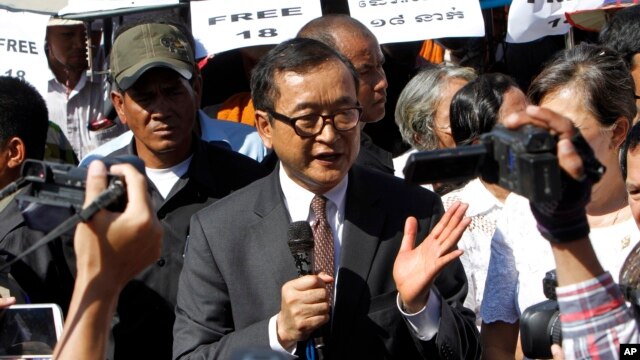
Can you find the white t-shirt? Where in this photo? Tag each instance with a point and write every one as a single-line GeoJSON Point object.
{"type": "Point", "coordinates": [165, 179]}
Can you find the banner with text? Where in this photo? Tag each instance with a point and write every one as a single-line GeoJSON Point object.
{"type": "Point", "coordinates": [532, 19]}
{"type": "Point", "coordinates": [22, 48]}
{"type": "Point", "coordinates": [224, 25]}
{"type": "Point", "coordinates": [410, 20]}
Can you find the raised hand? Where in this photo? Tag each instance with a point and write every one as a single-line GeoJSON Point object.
{"type": "Point", "coordinates": [415, 269]}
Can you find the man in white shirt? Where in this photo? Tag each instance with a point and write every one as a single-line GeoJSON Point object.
{"type": "Point", "coordinates": [75, 101]}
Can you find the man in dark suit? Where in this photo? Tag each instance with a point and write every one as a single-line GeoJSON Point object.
{"type": "Point", "coordinates": [239, 286]}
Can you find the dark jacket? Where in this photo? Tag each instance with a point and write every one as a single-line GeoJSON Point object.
{"type": "Point", "coordinates": [145, 312]}
{"type": "Point", "coordinates": [238, 259]}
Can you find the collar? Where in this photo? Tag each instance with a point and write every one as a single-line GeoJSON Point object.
{"type": "Point", "coordinates": [79, 86]}
{"type": "Point", "coordinates": [209, 132]}
{"type": "Point", "coordinates": [298, 199]}
{"type": "Point", "coordinates": [480, 199]}
{"type": "Point", "coordinates": [201, 170]}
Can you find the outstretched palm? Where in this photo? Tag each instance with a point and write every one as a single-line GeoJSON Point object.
{"type": "Point", "coordinates": [415, 268]}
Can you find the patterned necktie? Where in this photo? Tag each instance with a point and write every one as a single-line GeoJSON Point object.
{"type": "Point", "coordinates": [323, 240]}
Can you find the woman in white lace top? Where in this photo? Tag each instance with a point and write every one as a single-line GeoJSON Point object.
{"type": "Point", "coordinates": [475, 109]}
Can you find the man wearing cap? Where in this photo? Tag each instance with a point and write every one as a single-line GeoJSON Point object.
{"type": "Point", "coordinates": [156, 93]}
{"type": "Point", "coordinates": [76, 102]}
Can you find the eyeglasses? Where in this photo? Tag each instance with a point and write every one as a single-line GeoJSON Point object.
{"type": "Point", "coordinates": [636, 96]}
{"type": "Point", "coordinates": [312, 124]}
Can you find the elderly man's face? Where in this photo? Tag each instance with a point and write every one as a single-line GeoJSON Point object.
{"type": "Point", "coordinates": [68, 46]}
{"type": "Point", "coordinates": [320, 162]}
{"type": "Point", "coordinates": [160, 109]}
{"type": "Point", "coordinates": [365, 54]}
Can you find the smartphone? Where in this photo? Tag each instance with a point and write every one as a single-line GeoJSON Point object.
{"type": "Point", "coordinates": [29, 331]}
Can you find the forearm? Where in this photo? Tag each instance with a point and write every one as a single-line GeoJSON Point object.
{"type": "Point", "coordinates": [499, 340]}
{"type": "Point", "coordinates": [576, 261]}
{"type": "Point", "coordinates": [88, 321]}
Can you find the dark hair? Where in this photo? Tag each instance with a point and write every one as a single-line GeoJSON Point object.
{"type": "Point", "coordinates": [630, 144]}
{"type": "Point", "coordinates": [23, 113]}
{"type": "Point", "coordinates": [622, 31]}
{"type": "Point", "coordinates": [598, 73]}
{"type": "Point", "coordinates": [298, 55]}
{"type": "Point", "coordinates": [476, 106]}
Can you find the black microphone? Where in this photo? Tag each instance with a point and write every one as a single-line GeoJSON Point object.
{"type": "Point", "coordinates": [301, 246]}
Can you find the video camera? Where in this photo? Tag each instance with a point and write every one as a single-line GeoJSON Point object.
{"type": "Point", "coordinates": [57, 191]}
{"type": "Point", "coordinates": [523, 161]}
{"type": "Point", "coordinates": [540, 323]}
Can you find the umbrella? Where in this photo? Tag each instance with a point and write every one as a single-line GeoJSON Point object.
{"type": "Point", "coordinates": [594, 19]}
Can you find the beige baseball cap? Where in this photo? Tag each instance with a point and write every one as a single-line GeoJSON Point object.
{"type": "Point", "coordinates": [56, 21]}
{"type": "Point", "coordinates": [149, 46]}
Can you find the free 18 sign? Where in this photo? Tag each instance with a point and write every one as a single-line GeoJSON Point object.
{"type": "Point", "coordinates": [22, 53]}
{"type": "Point", "coordinates": [224, 25]}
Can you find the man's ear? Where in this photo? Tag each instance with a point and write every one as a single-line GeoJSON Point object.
{"type": "Point", "coordinates": [263, 125]}
{"type": "Point", "coordinates": [16, 152]}
{"type": "Point", "coordinates": [117, 99]}
{"type": "Point", "coordinates": [619, 133]}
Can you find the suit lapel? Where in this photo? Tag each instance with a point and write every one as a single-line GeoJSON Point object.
{"type": "Point", "coordinates": [270, 233]}
{"type": "Point", "coordinates": [364, 221]}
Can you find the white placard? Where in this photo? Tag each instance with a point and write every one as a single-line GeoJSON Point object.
{"type": "Point", "coordinates": [532, 19]}
{"type": "Point", "coordinates": [83, 6]}
{"type": "Point", "coordinates": [410, 20]}
{"type": "Point", "coordinates": [22, 48]}
{"type": "Point", "coordinates": [224, 25]}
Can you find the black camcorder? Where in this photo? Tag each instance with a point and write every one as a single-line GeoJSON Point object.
{"type": "Point", "coordinates": [540, 323]}
{"type": "Point", "coordinates": [523, 161]}
{"type": "Point", "coordinates": [57, 191]}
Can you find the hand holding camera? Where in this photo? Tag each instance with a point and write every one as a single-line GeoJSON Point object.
{"type": "Point", "coordinates": [564, 219]}
{"type": "Point", "coordinates": [111, 248]}
{"type": "Point", "coordinates": [117, 246]}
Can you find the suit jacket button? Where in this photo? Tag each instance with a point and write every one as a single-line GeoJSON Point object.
{"type": "Point", "coordinates": [161, 262]}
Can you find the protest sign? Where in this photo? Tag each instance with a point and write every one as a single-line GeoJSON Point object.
{"type": "Point", "coordinates": [224, 25]}
{"type": "Point", "coordinates": [22, 52]}
{"type": "Point", "coordinates": [530, 20]}
{"type": "Point", "coordinates": [410, 20]}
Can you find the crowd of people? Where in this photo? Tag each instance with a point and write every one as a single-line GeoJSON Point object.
{"type": "Point", "coordinates": [198, 264]}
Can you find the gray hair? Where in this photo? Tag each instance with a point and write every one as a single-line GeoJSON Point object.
{"type": "Point", "coordinates": [418, 101]}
